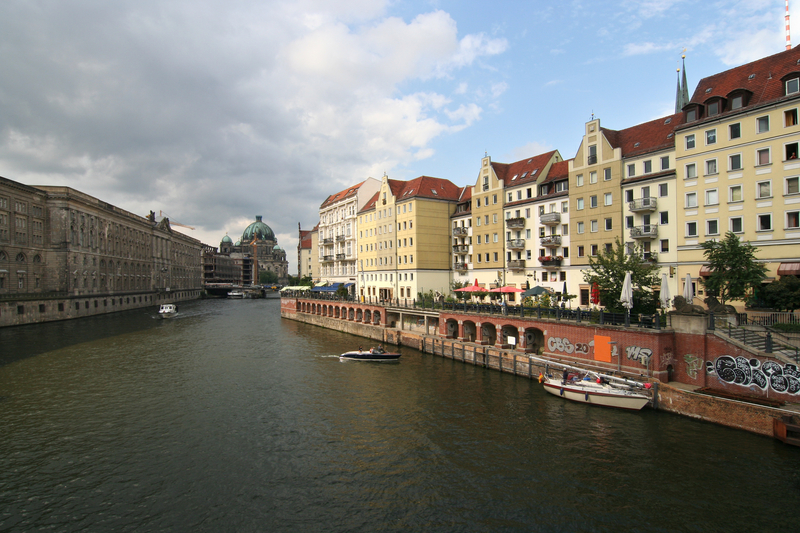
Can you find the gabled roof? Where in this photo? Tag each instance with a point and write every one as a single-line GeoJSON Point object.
{"type": "Point", "coordinates": [341, 195]}
{"type": "Point", "coordinates": [558, 171]}
{"type": "Point", "coordinates": [658, 134]}
{"type": "Point", "coordinates": [522, 171]}
{"type": "Point", "coordinates": [428, 187]}
{"type": "Point", "coordinates": [762, 78]}
{"type": "Point", "coordinates": [465, 195]}
{"type": "Point", "coordinates": [370, 205]}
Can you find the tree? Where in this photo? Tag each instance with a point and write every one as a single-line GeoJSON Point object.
{"type": "Point", "coordinates": [735, 272]}
{"type": "Point", "coordinates": [267, 276]}
{"type": "Point", "coordinates": [784, 294]}
{"type": "Point", "coordinates": [608, 270]}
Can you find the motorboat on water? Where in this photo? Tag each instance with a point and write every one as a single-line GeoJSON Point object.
{"type": "Point", "coordinates": [373, 354]}
{"type": "Point", "coordinates": [595, 389]}
{"type": "Point", "coordinates": [236, 295]}
{"type": "Point", "coordinates": [167, 310]}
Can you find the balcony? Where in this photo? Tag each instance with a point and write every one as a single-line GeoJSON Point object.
{"type": "Point", "coordinates": [460, 267]}
{"type": "Point", "coordinates": [515, 244]}
{"type": "Point", "coordinates": [340, 257]}
{"type": "Point", "coordinates": [648, 231]}
{"type": "Point", "coordinates": [551, 241]}
{"type": "Point", "coordinates": [551, 262]}
{"type": "Point", "coordinates": [327, 258]}
{"type": "Point", "coordinates": [339, 238]}
{"type": "Point", "coordinates": [643, 205]}
{"type": "Point", "coordinates": [461, 249]}
{"type": "Point", "coordinates": [457, 232]}
{"type": "Point", "coordinates": [518, 222]}
{"type": "Point", "coordinates": [516, 264]}
{"type": "Point", "coordinates": [327, 240]}
{"type": "Point", "coordinates": [550, 219]}
{"type": "Point", "coordinates": [591, 160]}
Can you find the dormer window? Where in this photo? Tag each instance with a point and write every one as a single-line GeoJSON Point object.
{"type": "Point", "coordinates": [713, 108]}
{"type": "Point", "coordinates": [691, 114]}
{"type": "Point", "coordinates": [737, 101]}
{"type": "Point", "coordinates": [792, 86]}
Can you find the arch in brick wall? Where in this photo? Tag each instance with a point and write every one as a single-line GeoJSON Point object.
{"type": "Point", "coordinates": [470, 331]}
{"type": "Point", "coordinates": [489, 333]}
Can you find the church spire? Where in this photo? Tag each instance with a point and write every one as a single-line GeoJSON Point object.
{"type": "Point", "coordinates": [682, 89]}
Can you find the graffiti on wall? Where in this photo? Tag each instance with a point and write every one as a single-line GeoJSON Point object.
{"type": "Point", "coordinates": [557, 344]}
{"type": "Point", "coordinates": [693, 365]}
{"type": "Point", "coordinates": [752, 372]}
{"type": "Point", "coordinates": [639, 354]}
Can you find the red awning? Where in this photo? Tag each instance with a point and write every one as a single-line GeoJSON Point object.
{"type": "Point", "coordinates": [789, 269]}
{"type": "Point", "coordinates": [705, 271]}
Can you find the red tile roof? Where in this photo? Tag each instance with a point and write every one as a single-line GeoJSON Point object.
{"type": "Point", "coordinates": [305, 240]}
{"type": "Point", "coordinates": [341, 195]}
{"type": "Point", "coordinates": [647, 137]}
{"type": "Point", "coordinates": [370, 205]}
{"type": "Point", "coordinates": [522, 171]}
{"type": "Point", "coordinates": [762, 78]}
{"type": "Point", "coordinates": [428, 187]}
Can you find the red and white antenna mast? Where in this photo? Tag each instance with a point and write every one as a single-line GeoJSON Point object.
{"type": "Point", "coordinates": [788, 36]}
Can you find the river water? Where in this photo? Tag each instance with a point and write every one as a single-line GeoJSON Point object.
{"type": "Point", "coordinates": [228, 418]}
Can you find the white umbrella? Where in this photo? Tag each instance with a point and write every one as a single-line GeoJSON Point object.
{"type": "Point", "coordinates": [688, 291]}
{"type": "Point", "coordinates": [626, 296]}
{"type": "Point", "coordinates": [665, 297]}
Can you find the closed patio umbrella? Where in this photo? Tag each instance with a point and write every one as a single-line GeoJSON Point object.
{"type": "Point", "coordinates": [664, 295]}
{"type": "Point", "coordinates": [688, 291]}
{"type": "Point", "coordinates": [626, 296]}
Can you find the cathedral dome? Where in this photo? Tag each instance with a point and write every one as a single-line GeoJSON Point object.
{"type": "Point", "coordinates": [277, 248]}
{"type": "Point", "coordinates": [226, 239]}
{"type": "Point", "coordinates": [258, 230]}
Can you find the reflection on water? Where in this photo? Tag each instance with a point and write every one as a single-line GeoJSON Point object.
{"type": "Point", "coordinates": [228, 418]}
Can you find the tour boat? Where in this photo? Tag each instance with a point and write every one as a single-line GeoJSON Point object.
{"type": "Point", "coordinates": [373, 354]}
{"type": "Point", "coordinates": [236, 295]}
{"type": "Point", "coordinates": [167, 310]}
{"type": "Point", "coordinates": [596, 391]}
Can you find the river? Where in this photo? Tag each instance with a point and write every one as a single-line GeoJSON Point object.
{"type": "Point", "coordinates": [228, 418]}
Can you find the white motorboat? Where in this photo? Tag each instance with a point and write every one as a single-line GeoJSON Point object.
{"type": "Point", "coordinates": [373, 354]}
{"type": "Point", "coordinates": [167, 310]}
{"type": "Point", "coordinates": [236, 295]}
{"type": "Point", "coordinates": [596, 390]}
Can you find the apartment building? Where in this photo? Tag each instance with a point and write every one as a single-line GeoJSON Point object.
{"type": "Point", "coordinates": [462, 237]}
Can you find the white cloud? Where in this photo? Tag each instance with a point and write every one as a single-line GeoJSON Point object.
{"type": "Point", "coordinates": [530, 149]}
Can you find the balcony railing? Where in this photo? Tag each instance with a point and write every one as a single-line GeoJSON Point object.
{"type": "Point", "coordinates": [551, 262]}
{"type": "Point", "coordinates": [340, 257]}
{"type": "Point", "coordinates": [648, 231]}
{"type": "Point", "coordinates": [591, 160]}
{"type": "Point", "coordinates": [643, 204]}
{"type": "Point", "coordinates": [516, 244]}
{"type": "Point", "coordinates": [460, 267]}
{"type": "Point", "coordinates": [460, 231]}
{"type": "Point", "coordinates": [327, 258]}
{"type": "Point", "coordinates": [339, 238]}
{"type": "Point", "coordinates": [516, 264]}
{"type": "Point", "coordinates": [551, 241]}
{"type": "Point", "coordinates": [327, 240]}
{"type": "Point", "coordinates": [517, 222]}
{"type": "Point", "coordinates": [460, 248]}
{"type": "Point", "coordinates": [550, 219]}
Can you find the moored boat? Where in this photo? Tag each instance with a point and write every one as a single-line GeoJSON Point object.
{"type": "Point", "coordinates": [596, 391]}
{"type": "Point", "coordinates": [373, 354]}
{"type": "Point", "coordinates": [236, 295]}
{"type": "Point", "coordinates": [167, 310]}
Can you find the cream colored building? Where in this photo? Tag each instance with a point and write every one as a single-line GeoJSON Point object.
{"type": "Point", "coordinates": [461, 221]}
{"type": "Point", "coordinates": [488, 224]}
{"type": "Point", "coordinates": [738, 166]}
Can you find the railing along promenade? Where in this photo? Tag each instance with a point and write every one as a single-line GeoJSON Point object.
{"type": "Point", "coordinates": [593, 316]}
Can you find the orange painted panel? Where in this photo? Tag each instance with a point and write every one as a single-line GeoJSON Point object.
{"type": "Point", "coordinates": [602, 349]}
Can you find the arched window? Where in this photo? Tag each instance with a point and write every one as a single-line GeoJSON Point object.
{"type": "Point", "coordinates": [20, 257]}
{"type": "Point", "coordinates": [37, 258]}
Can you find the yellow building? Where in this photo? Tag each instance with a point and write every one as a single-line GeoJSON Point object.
{"type": "Point", "coordinates": [488, 226]}
{"type": "Point", "coordinates": [738, 166]}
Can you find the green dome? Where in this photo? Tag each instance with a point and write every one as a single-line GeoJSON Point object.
{"type": "Point", "coordinates": [226, 239]}
{"type": "Point", "coordinates": [258, 230]}
{"type": "Point", "coordinates": [277, 248]}
{"type": "Point", "coordinates": [237, 243]}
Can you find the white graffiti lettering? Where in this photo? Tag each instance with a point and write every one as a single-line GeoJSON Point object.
{"type": "Point", "coordinates": [637, 353]}
{"type": "Point", "coordinates": [557, 344]}
{"type": "Point", "coordinates": [751, 372]}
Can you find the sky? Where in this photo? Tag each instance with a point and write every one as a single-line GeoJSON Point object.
{"type": "Point", "coordinates": [211, 112]}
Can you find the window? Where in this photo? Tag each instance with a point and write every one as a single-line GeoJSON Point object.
{"type": "Point", "coordinates": [477, 204]}
{"type": "Point", "coordinates": [691, 115]}
{"type": "Point", "coordinates": [735, 193]}
{"type": "Point", "coordinates": [594, 249]}
{"type": "Point", "coordinates": [628, 222]}
{"type": "Point", "coordinates": [648, 167]}
{"type": "Point", "coordinates": [629, 195]}
{"type": "Point", "coordinates": [711, 167]}
{"type": "Point", "coordinates": [764, 189]}
{"type": "Point", "coordinates": [494, 218]}
{"type": "Point", "coordinates": [735, 131]}
{"type": "Point", "coordinates": [607, 174]}
{"type": "Point", "coordinates": [689, 141]}
{"type": "Point", "coordinates": [608, 198]}
{"type": "Point", "coordinates": [609, 224]}
{"type": "Point", "coordinates": [691, 199]}
{"type": "Point", "coordinates": [592, 177]}
{"type": "Point", "coordinates": [712, 197]}
{"type": "Point", "coordinates": [765, 222]}
{"type": "Point", "coordinates": [592, 154]}
{"type": "Point", "coordinates": [762, 124]}
{"type": "Point", "coordinates": [763, 156]}
{"type": "Point", "coordinates": [712, 227]}
{"type": "Point", "coordinates": [735, 162]}
{"type": "Point", "coordinates": [691, 229]}
{"type": "Point", "coordinates": [713, 108]}
{"type": "Point", "coordinates": [665, 162]}
{"type": "Point", "coordinates": [711, 136]}
{"type": "Point", "coordinates": [792, 86]}
{"type": "Point", "coordinates": [564, 229]}
{"type": "Point", "coordinates": [790, 117]}
{"type": "Point", "coordinates": [663, 217]}
{"type": "Point", "coordinates": [565, 206]}
{"type": "Point", "coordinates": [580, 228]}
{"type": "Point", "coordinates": [736, 225]}
{"type": "Point", "coordinates": [792, 185]}
{"type": "Point", "coordinates": [665, 245]}
{"type": "Point", "coordinates": [631, 170]}
{"type": "Point", "coordinates": [737, 102]}
{"type": "Point", "coordinates": [593, 201]}
{"type": "Point", "coordinates": [494, 198]}
{"type": "Point", "coordinates": [510, 197]}
{"type": "Point", "coordinates": [793, 220]}
{"type": "Point", "coordinates": [580, 251]}
{"type": "Point", "coordinates": [691, 171]}
{"type": "Point", "coordinates": [579, 180]}
{"type": "Point", "coordinates": [478, 221]}
{"type": "Point", "coordinates": [663, 190]}
{"type": "Point", "coordinates": [494, 237]}
{"type": "Point", "coordinates": [593, 226]}
{"type": "Point", "coordinates": [791, 150]}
